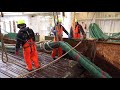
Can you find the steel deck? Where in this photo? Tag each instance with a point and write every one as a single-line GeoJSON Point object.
{"type": "Point", "coordinates": [61, 69]}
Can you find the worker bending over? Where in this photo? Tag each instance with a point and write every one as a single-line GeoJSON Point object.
{"type": "Point", "coordinates": [26, 38]}
{"type": "Point", "coordinates": [58, 33]}
{"type": "Point", "coordinates": [76, 33]}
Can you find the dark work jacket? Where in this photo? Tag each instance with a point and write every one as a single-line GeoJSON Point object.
{"type": "Point", "coordinates": [79, 31]}
{"type": "Point", "coordinates": [63, 29]}
{"type": "Point", "coordinates": [23, 36]}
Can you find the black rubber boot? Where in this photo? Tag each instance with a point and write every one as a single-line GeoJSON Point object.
{"type": "Point", "coordinates": [54, 58]}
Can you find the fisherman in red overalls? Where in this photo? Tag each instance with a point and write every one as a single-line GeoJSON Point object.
{"type": "Point", "coordinates": [58, 33]}
{"type": "Point", "coordinates": [76, 33]}
{"type": "Point", "coordinates": [26, 38]}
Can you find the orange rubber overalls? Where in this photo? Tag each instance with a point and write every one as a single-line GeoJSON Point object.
{"type": "Point", "coordinates": [59, 35]}
{"type": "Point", "coordinates": [30, 54]}
{"type": "Point", "coordinates": [76, 35]}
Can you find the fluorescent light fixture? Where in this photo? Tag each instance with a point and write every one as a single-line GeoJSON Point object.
{"type": "Point", "coordinates": [13, 13]}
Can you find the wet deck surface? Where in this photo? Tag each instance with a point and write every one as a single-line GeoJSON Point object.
{"type": "Point", "coordinates": [62, 69]}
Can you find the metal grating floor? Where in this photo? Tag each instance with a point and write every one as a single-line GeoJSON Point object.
{"type": "Point", "coordinates": [61, 69]}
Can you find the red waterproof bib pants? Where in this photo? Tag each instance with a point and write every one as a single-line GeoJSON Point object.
{"type": "Point", "coordinates": [76, 35]}
{"type": "Point", "coordinates": [30, 54]}
{"type": "Point", "coordinates": [59, 50]}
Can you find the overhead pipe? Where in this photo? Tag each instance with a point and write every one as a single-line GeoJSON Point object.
{"type": "Point", "coordinates": [87, 64]}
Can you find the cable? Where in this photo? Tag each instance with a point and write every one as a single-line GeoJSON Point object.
{"type": "Point", "coordinates": [92, 17]}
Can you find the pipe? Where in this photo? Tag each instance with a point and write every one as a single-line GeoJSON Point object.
{"type": "Point", "coordinates": [87, 64]}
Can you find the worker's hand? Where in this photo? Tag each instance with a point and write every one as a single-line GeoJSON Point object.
{"type": "Point", "coordinates": [84, 36]}
{"type": "Point", "coordinates": [69, 36]}
{"type": "Point", "coordinates": [54, 31]}
{"type": "Point", "coordinates": [16, 53]}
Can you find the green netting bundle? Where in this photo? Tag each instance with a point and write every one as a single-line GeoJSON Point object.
{"type": "Point", "coordinates": [97, 33]}
{"type": "Point", "coordinates": [11, 35]}
{"type": "Point", "coordinates": [115, 35]}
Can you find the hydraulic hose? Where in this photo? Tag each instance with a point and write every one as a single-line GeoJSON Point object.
{"type": "Point", "coordinates": [87, 64]}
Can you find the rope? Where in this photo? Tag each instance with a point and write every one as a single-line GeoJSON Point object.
{"type": "Point", "coordinates": [3, 46]}
{"type": "Point", "coordinates": [92, 17]}
{"type": "Point", "coordinates": [43, 46]}
{"type": "Point", "coordinates": [50, 62]}
{"type": "Point", "coordinates": [93, 52]}
{"type": "Point", "coordinates": [49, 45]}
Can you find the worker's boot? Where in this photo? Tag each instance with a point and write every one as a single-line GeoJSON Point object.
{"type": "Point", "coordinates": [28, 69]}
{"type": "Point", "coordinates": [54, 58]}
{"type": "Point", "coordinates": [37, 67]}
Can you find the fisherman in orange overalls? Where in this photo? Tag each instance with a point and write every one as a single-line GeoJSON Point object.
{"type": "Point", "coordinates": [58, 32]}
{"type": "Point", "coordinates": [26, 38]}
{"type": "Point", "coordinates": [76, 33]}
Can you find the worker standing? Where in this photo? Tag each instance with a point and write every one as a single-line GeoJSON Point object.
{"type": "Point", "coordinates": [76, 33]}
{"type": "Point", "coordinates": [58, 33]}
{"type": "Point", "coordinates": [26, 38]}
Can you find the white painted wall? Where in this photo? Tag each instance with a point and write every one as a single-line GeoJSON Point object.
{"type": "Point", "coordinates": [109, 25]}
{"type": "Point", "coordinates": [6, 19]}
{"type": "Point", "coordinates": [40, 24]}
{"type": "Point", "coordinates": [67, 23]}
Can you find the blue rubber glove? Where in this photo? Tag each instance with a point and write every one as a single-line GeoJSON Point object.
{"type": "Point", "coordinates": [69, 36]}
{"type": "Point", "coordinates": [54, 31]}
